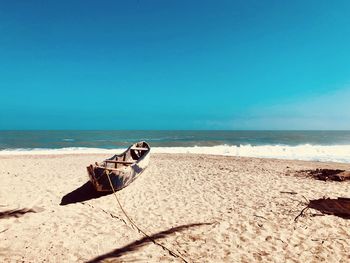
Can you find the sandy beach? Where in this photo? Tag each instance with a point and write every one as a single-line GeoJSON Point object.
{"type": "Point", "coordinates": [206, 208]}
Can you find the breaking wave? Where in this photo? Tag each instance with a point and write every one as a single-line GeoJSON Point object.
{"type": "Point", "coordinates": [308, 152]}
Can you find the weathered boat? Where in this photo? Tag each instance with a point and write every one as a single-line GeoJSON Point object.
{"type": "Point", "coordinates": [122, 169]}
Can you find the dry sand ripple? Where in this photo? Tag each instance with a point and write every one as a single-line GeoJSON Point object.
{"type": "Point", "coordinates": [249, 205]}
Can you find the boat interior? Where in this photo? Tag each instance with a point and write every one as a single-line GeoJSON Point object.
{"type": "Point", "coordinates": [122, 161]}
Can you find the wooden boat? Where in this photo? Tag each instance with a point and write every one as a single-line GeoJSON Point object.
{"type": "Point", "coordinates": [122, 168]}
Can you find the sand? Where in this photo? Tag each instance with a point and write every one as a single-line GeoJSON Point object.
{"type": "Point", "coordinates": [207, 208]}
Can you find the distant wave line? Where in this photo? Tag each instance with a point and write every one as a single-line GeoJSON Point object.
{"type": "Point", "coordinates": [308, 152]}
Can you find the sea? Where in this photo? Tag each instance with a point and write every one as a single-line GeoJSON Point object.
{"type": "Point", "coordinates": [333, 146]}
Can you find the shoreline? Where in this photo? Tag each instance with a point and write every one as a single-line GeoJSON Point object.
{"type": "Point", "coordinates": [319, 153]}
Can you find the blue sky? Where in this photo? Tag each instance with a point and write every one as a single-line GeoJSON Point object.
{"type": "Point", "coordinates": [174, 64]}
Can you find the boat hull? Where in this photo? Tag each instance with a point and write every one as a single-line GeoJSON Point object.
{"type": "Point", "coordinates": [122, 169]}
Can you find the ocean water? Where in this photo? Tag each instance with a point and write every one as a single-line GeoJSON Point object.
{"type": "Point", "coordinates": [302, 145]}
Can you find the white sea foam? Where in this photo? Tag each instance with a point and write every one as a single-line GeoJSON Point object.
{"type": "Point", "coordinates": [66, 150]}
{"type": "Point", "coordinates": [332, 153]}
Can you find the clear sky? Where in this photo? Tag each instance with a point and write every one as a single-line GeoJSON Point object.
{"type": "Point", "coordinates": [175, 64]}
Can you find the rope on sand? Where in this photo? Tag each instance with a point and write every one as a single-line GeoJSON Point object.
{"type": "Point", "coordinates": [171, 252]}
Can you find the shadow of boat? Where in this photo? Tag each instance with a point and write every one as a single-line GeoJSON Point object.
{"type": "Point", "coordinates": [81, 194]}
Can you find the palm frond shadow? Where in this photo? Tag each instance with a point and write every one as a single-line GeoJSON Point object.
{"type": "Point", "coordinates": [338, 207]}
{"type": "Point", "coordinates": [136, 245]}
{"type": "Point", "coordinates": [16, 213]}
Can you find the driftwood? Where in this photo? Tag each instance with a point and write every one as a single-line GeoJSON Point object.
{"type": "Point", "coordinates": [329, 174]}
